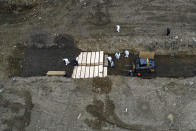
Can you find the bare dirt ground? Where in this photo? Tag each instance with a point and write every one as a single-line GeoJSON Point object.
{"type": "Point", "coordinates": [47, 29]}
{"type": "Point", "coordinates": [61, 104]}
{"type": "Point", "coordinates": [92, 26]}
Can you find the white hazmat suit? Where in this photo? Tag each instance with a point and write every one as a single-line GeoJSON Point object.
{"type": "Point", "coordinates": [117, 55]}
{"type": "Point", "coordinates": [118, 28]}
{"type": "Point", "coordinates": [109, 59]}
{"type": "Point", "coordinates": [66, 61]}
{"type": "Point", "coordinates": [126, 53]}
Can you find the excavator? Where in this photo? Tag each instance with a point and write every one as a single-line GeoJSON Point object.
{"type": "Point", "coordinates": [145, 63]}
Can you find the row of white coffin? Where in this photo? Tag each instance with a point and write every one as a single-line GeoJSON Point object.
{"type": "Point", "coordinates": [89, 71]}
{"type": "Point", "coordinates": [90, 58]}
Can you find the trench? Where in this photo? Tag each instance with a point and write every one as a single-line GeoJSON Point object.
{"type": "Point", "coordinates": [38, 60]}
{"type": "Point", "coordinates": [165, 66]}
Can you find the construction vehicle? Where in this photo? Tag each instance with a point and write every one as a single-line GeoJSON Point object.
{"type": "Point", "coordinates": [145, 63]}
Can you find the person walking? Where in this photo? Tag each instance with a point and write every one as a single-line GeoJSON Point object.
{"type": "Point", "coordinates": [168, 31]}
{"type": "Point", "coordinates": [117, 28]}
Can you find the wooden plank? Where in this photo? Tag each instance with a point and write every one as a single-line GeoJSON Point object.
{"type": "Point", "coordinates": [74, 72]}
{"type": "Point", "coordinates": [97, 58]}
{"type": "Point", "coordinates": [82, 72]}
{"type": "Point", "coordinates": [56, 73]}
{"type": "Point", "coordinates": [92, 58]}
{"type": "Point", "coordinates": [88, 61]}
{"type": "Point", "coordinates": [96, 71]}
{"type": "Point", "coordinates": [106, 60]}
{"type": "Point", "coordinates": [80, 58]}
{"type": "Point", "coordinates": [87, 72]}
{"type": "Point", "coordinates": [84, 56]}
{"type": "Point", "coordinates": [91, 74]}
{"type": "Point", "coordinates": [100, 70]}
{"type": "Point", "coordinates": [78, 72]}
{"type": "Point", "coordinates": [105, 73]}
{"type": "Point", "coordinates": [101, 57]}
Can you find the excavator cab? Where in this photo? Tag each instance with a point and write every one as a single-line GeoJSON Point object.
{"type": "Point", "coordinates": [145, 62]}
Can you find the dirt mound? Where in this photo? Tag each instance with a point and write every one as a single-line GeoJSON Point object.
{"type": "Point", "coordinates": [102, 85]}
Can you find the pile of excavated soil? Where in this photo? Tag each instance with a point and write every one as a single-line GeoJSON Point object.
{"type": "Point", "coordinates": [102, 85]}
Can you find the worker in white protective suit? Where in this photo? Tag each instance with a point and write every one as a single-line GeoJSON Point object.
{"type": "Point", "coordinates": [117, 55]}
{"type": "Point", "coordinates": [109, 59]}
{"type": "Point", "coordinates": [66, 61]}
{"type": "Point", "coordinates": [112, 64]}
{"type": "Point", "coordinates": [117, 28]}
{"type": "Point", "coordinates": [126, 53]}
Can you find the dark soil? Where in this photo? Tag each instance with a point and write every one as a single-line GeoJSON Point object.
{"type": "Point", "coordinates": [17, 122]}
{"type": "Point", "coordinates": [179, 66]}
{"type": "Point", "coordinates": [102, 85]}
{"type": "Point", "coordinates": [15, 61]}
{"type": "Point", "coordinates": [96, 110]}
{"type": "Point", "coordinates": [38, 61]}
{"type": "Point", "coordinates": [122, 66]}
{"type": "Point", "coordinates": [105, 113]}
{"type": "Point", "coordinates": [12, 14]}
{"type": "Point", "coordinates": [7, 6]}
{"type": "Point", "coordinates": [166, 66]}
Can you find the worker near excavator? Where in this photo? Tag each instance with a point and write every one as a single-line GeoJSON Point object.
{"type": "Point", "coordinates": [130, 73]}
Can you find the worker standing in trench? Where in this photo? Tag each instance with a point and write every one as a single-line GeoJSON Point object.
{"type": "Point", "coordinates": [126, 53]}
{"type": "Point", "coordinates": [117, 55]}
{"type": "Point", "coordinates": [110, 61]}
{"type": "Point", "coordinates": [66, 61]}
